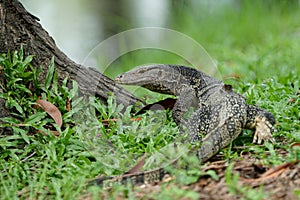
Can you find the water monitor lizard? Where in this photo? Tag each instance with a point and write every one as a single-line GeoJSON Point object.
{"type": "Point", "coordinates": [219, 113]}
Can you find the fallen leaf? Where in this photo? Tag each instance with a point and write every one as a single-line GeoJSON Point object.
{"type": "Point", "coordinates": [232, 76]}
{"type": "Point", "coordinates": [283, 166]}
{"type": "Point", "coordinates": [52, 110]}
{"type": "Point", "coordinates": [68, 105]}
{"type": "Point", "coordinates": [296, 144]}
{"type": "Point", "coordinates": [138, 166]}
{"type": "Point", "coordinates": [56, 133]}
{"type": "Point", "coordinates": [274, 171]}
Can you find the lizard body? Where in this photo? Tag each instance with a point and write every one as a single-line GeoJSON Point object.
{"type": "Point", "coordinates": [218, 113]}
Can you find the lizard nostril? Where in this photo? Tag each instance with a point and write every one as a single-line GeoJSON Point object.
{"type": "Point", "coordinates": [118, 78]}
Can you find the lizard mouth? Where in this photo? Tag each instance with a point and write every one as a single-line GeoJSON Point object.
{"type": "Point", "coordinates": [128, 80]}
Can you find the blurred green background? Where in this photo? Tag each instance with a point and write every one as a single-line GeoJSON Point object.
{"type": "Point", "coordinates": [248, 39]}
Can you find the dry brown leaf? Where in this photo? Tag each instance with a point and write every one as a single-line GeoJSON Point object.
{"type": "Point", "coordinates": [291, 100]}
{"type": "Point", "coordinates": [295, 144]}
{"type": "Point", "coordinates": [278, 169]}
{"type": "Point", "coordinates": [138, 166]}
{"type": "Point", "coordinates": [232, 76]}
{"type": "Point", "coordinates": [56, 133]}
{"type": "Point", "coordinates": [52, 110]}
{"type": "Point", "coordinates": [68, 105]}
{"type": "Point", "coordinates": [274, 171]}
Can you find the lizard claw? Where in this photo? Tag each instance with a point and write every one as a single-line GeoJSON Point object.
{"type": "Point", "coordinates": [263, 131]}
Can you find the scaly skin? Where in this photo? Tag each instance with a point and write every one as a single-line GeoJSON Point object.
{"type": "Point", "coordinates": [218, 113]}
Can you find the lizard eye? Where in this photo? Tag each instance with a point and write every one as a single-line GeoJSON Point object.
{"type": "Point", "coordinates": [159, 73]}
{"type": "Point", "coordinates": [141, 71]}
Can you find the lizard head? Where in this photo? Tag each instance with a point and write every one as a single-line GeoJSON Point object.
{"type": "Point", "coordinates": [141, 75]}
{"type": "Point", "coordinates": [156, 77]}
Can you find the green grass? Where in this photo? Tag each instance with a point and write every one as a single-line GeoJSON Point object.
{"type": "Point", "coordinates": [258, 44]}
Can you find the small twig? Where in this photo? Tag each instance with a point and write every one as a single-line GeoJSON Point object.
{"type": "Point", "coordinates": [24, 159]}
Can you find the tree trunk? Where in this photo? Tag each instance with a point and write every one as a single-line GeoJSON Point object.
{"type": "Point", "coordinates": [18, 27]}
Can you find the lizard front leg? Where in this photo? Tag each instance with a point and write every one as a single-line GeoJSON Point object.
{"type": "Point", "coordinates": [263, 130]}
{"type": "Point", "coordinates": [184, 102]}
{"type": "Point", "coordinates": [199, 123]}
{"type": "Point", "coordinates": [219, 137]}
{"type": "Point", "coordinates": [262, 121]}
{"type": "Point", "coordinates": [221, 123]}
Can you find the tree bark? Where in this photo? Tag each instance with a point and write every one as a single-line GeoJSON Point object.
{"type": "Point", "coordinates": [19, 27]}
